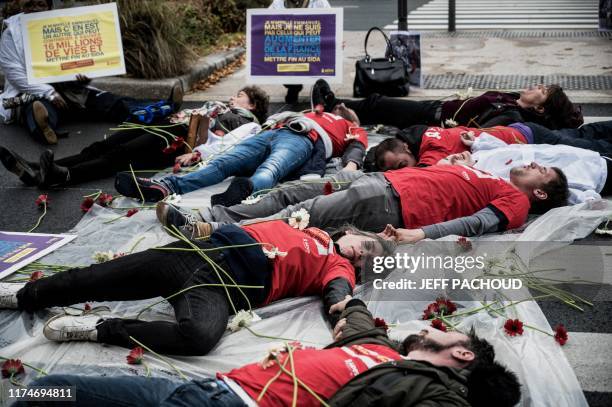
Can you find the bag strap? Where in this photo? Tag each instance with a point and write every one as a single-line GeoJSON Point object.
{"type": "Point", "coordinates": [365, 44]}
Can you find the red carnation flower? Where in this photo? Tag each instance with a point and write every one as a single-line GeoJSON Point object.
{"type": "Point", "coordinates": [328, 188]}
{"type": "Point", "coordinates": [464, 243]}
{"type": "Point", "coordinates": [431, 311]}
{"type": "Point", "coordinates": [105, 199]}
{"type": "Point", "coordinates": [131, 212]}
{"type": "Point", "coordinates": [42, 200]}
{"type": "Point", "coordinates": [169, 150]}
{"type": "Point", "coordinates": [178, 143]}
{"type": "Point", "coordinates": [438, 324]}
{"type": "Point", "coordinates": [135, 356]}
{"type": "Point", "coordinates": [12, 367]}
{"type": "Point", "coordinates": [319, 109]}
{"type": "Point", "coordinates": [176, 168]}
{"type": "Point", "coordinates": [508, 162]}
{"type": "Point", "coordinates": [196, 157]}
{"type": "Point", "coordinates": [381, 323]}
{"type": "Point", "coordinates": [87, 204]}
{"type": "Point", "coordinates": [561, 334]}
{"type": "Point", "coordinates": [513, 327]}
{"type": "Point", "coordinates": [446, 306]}
{"type": "Point", "coordinates": [36, 275]}
{"type": "Point", "coordinates": [87, 307]}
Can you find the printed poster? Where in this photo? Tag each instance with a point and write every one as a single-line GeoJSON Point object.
{"type": "Point", "coordinates": [19, 249]}
{"type": "Point", "coordinates": [294, 46]}
{"type": "Point", "coordinates": [82, 40]}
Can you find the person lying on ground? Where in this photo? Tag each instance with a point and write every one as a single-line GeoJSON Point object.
{"type": "Point", "coordinates": [587, 171]}
{"type": "Point", "coordinates": [432, 367]}
{"type": "Point", "coordinates": [431, 144]}
{"type": "Point", "coordinates": [545, 105]}
{"type": "Point", "coordinates": [266, 158]}
{"type": "Point", "coordinates": [431, 202]}
{"type": "Point", "coordinates": [41, 107]}
{"type": "Point", "coordinates": [143, 150]}
{"type": "Point", "coordinates": [278, 260]}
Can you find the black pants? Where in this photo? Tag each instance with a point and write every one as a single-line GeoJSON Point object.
{"type": "Point", "coordinates": [143, 150]}
{"type": "Point", "coordinates": [593, 136]}
{"type": "Point", "coordinates": [201, 313]}
{"type": "Point", "coordinates": [99, 106]}
{"type": "Point", "coordinates": [378, 109]}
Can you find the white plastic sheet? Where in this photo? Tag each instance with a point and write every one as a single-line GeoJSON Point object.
{"type": "Point", "coordinates": [533, 356]}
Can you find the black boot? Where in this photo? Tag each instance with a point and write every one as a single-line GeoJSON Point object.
{"type": "Point", "coordinates": [293, 91]}
{"type": "Point", "coordinates": [26, 171]}
{"type": "Point", "coordinates": [239, 189]}
{"type": "Point", "coordinates": [50, 173]}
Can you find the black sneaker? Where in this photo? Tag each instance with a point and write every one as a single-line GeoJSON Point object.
{"type": "Point", "coordinates": [321, 94]}
{"type": "Point", "coordinates": [239, 189]}
{"type": "Point", "coordinates": [25, 170]}
{"type": "Point", "coordinates": [152, 190]}
{"type": "Point", "coordinates": [170, 215]}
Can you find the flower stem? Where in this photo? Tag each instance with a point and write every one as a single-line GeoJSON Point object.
{"type": "Point", "coordinates": [40, 217]}
{"type": "Point", "coordinates": [136, 244]}
{"type": "Point", "coordinates": [293, 375]}
{"type": "Point", "coordinates": [161, 358]}
{"type": "Point", "coordinates": [136, 183]}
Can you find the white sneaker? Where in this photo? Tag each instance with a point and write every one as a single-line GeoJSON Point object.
{"type": "Point", "coordinates": [63, 328]}
{"type": "Point", "coordinates": [8, 294]}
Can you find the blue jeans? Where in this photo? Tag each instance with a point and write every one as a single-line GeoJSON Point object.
{"type": "Point", "coordinates": [93, 391]}
{"type": "Point", "coordinates": [267, 158]}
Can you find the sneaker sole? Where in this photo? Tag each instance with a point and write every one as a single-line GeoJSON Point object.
{"type": "Point", "coordinates": [41, 117]}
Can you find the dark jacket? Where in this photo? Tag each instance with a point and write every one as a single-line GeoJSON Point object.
{"type": "Point", "coordinates": [398, 383]}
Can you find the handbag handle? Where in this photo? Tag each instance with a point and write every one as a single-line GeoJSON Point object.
{"type": "Point", "coordinates": [365, 44]}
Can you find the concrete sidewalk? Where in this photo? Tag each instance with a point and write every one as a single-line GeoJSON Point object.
{"type": "Point", "coordinates": [469, 55]}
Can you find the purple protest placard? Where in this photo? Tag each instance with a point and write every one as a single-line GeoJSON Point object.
{"type": "Point", "coordinates": [19, 249]}
{"type": "Point", "coordinates": [297, 46]}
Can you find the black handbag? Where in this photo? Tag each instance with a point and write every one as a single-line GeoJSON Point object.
{"type": "Point", "coordinates": [387, 76]}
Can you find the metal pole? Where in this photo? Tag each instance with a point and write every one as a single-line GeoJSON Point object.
{"type": "Point", "coordinates": [402, 15]}
{"type": "Point", "coordinates": [451, 15]}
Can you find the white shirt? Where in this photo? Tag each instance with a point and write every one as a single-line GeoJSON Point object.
{"type": "Point", "coordinates": [217, 145]}
{"type": "Point", "coordinates": [586, 170]}
{"type": "Point", "coordinates": [13, 65]}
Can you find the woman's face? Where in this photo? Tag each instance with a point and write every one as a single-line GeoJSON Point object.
{"type": "Point", "coordinates": [355, 247]}
{"type": "Point", "coordinates": [241, 100]}
{"type": "Point", "coordinates": [534, 96]}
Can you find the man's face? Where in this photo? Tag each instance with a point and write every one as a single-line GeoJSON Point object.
{"type": "Point", "coordinates": [241, 100]}
{"type": "Point", "coordinates": [434, 340]}
{"type": "Point", "coordinates": [398, 158]}
{"type": "Point", "coordinates": [534, 96]}
{"type": "Point", "coordinates": [464, 158]}
{"type": "Point", "coordinates": [531, 178]}
{"type": "Point", "coordinates": [34, 6]}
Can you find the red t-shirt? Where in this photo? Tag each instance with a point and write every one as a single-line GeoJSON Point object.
{"type": "Point", "coordinates": [341, 132]}
{"type": "Point", "coordinates": [323, 371]}
{"type": "Point", "coordinates": [311, 261]}
{"type": "Point", "coordinates": [444, 192]}
{"type": "Point", "coordinates": [438, 143]}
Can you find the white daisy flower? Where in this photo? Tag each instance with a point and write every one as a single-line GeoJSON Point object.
{"type": "Point", "coordinates": [299, 219]}
{"type": "Point", "coordinates": [273, 252]}
{"type": "Point", "coordinates": [252, 200]}
{"type": "Point", "coordinates": [467, 94]}
{"type": "Point", "coordinates": [450, 123]}
{"type": "Point", "coordinates": [241, 319]}
{"type": "Point", "coordinates": [101, 257]}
